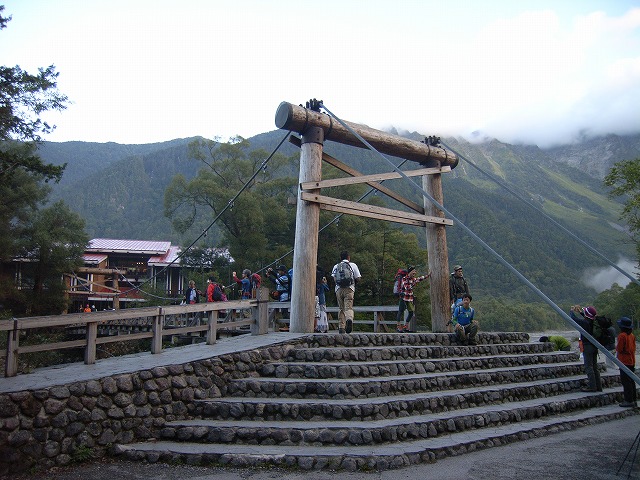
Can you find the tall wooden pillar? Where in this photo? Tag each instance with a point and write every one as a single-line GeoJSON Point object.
{"type": "Point", "coordinates": [438, 255]}
{"type": "Point", "coordinates": [116, 297]}
{"type": "Point", "coordinates": [305, 252]}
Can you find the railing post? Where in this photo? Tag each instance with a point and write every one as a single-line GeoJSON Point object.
{"type": "Point", "coordinates": [212, 330]}
{"type": "Point", "coordinates": [90, 348]}
{"type": "Point", "coordinates": [156, 341]}
{"type": "Point", "coordinates": [260, 313]}
{"type": "Point", "coordinates": [13, 340]}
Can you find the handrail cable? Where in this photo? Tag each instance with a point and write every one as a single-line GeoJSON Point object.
{"type": "Point", "coordinates": [543, 213]}
{"type": "Point", "coordinates": [495, 254]}
{"type": "Point", "coordinates": [204, 232]}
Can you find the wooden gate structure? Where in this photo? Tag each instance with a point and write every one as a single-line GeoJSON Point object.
{"type": "Point", "coordinates": [316, 127]}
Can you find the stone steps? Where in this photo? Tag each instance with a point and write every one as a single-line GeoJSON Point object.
{"type": "Point", "coordinates": [390, 385]}
{"type": "Point", "coordinates": [364, 457]}
{"type": "Point", "coordinates": [361, 340]}
{"type": "Point", "coordinates": [333, 369]}
{"type": "Point", "coordinates": [402, 428]}
{"type": "Point", "coordinates": [380, 401]}
{"type": "Point", "coordinates": [383, 407]}
{"type": "Point", "coordinates": [407, 352]}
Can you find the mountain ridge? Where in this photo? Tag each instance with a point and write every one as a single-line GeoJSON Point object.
{"type": "Point", "coordinates": [120, 193]}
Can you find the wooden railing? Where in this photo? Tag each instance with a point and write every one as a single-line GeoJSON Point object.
{"type": "Point", "coordinates": [377, 312]}
{"type": "Point", "coordinates": [161, 321]}
{"type": "Point", "coordinates": [154, 323]}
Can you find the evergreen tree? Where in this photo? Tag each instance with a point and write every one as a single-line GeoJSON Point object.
{"type": "Point", "coordinates": [624, 181]}
{"type": "Point", "coordinates": [51, 240]}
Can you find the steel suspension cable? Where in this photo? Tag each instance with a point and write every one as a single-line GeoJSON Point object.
{"type": "Point", "coordinates": [332, 221]}
{"type": "Point", "coordinates": [495, 254]}
{"type": "Point", "coordinates": [204, 232]}
{"type": "Point", "coordinates": [543, 213]}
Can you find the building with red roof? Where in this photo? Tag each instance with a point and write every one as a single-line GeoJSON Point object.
{"type": "Point", "coordinates": [115, 270]}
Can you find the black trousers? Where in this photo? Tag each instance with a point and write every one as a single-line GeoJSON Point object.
{"type": "Point", "coordinates": [628, 385]}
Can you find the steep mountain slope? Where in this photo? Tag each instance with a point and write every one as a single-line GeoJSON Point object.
{"type": "Point", "coordinates": [123, 197]}
{"type": "Point", "coordinates": [596, 156]}
{"type": "Point", "coordinates": [85, 158]}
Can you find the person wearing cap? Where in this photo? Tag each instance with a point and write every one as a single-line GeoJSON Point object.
{"type": "Point", "coordinates": [464, 324]}
{"type": "Point", "coordinates": [406, 298]}
{"type": "Point", "coordinates": [626, 353]}
{"type": "Point", "coordinates": [585, 317]}
{"type": "Point", "coordinates": [458, 287]}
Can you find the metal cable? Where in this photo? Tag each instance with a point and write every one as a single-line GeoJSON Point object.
{"type": "Point", "coordinates": [542, 212]}
{"type": "Point", "coordinates": [501, 260]}
{"type": "Point", "coordinates": [204, 232]}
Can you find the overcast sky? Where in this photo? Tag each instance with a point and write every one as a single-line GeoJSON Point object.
{"type": "Point", "coordinates": [138, 71]}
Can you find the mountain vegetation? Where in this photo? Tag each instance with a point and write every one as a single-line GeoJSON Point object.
{"type": "Point", "coordinates": [173, 191]}
{"type": "Point", "coordinates": [57, 195]}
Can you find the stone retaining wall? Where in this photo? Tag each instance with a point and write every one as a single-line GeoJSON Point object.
{"type": "Point", "coordinates": [59, 425]}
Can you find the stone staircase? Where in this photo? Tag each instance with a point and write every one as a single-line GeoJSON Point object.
{"type": "Point", "coordinates": [381, 401]}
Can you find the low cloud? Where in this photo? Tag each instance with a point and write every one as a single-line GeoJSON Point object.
{"type": "Point", "coordinates": [603, 278]}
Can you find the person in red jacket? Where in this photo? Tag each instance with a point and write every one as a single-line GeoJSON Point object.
{"type": "Point", "coordinates": [626, 349]}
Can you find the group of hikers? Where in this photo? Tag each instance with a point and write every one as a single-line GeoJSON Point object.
{"type": "Point", "coordinates": [623, 347]}
{"type": "Point", "coordinates": [346, 274]}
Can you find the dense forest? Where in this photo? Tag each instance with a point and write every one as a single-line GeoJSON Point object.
{"type": "Point", "coordinates": [173, 191]}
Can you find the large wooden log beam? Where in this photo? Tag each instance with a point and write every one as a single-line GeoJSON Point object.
{"type": "Point", "coordinates": [300, 119]}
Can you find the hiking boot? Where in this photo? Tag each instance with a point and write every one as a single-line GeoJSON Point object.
{"type": "Point", "coordinates": [588, 389]}
{"type": "Point", "coordinates": [628, 404]}
{"type": "Point", "coordinates": [341, 330]}
{"type": "Point", "coordinates": [349, 328]}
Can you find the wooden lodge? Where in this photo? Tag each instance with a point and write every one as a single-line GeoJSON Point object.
{"type": "Point", "coordinates": [114, 269]}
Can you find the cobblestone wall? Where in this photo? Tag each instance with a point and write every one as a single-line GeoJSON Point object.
{"type": "Point", "coordinates": [63, 424]}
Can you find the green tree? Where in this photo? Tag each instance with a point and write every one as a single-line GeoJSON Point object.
{"type": "Point", "coordinates": [23, 98]}
{"type": "Point", "coordinates": [259, 226]}
{"type": "Point", "coordinates": [624, 181]}
{"type": "Point", "coordinates": [619, 302]}
{"type": "Point", "coordinates": [52, 241]}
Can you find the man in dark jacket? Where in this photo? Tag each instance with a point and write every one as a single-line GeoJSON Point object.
{"type": "Point", "coordinates": [458, 286]}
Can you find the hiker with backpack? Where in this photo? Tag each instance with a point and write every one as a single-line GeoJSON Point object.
{"type": "Point", "coordinates": [406, 298]}
{"type": "Point", "coordinates": [214, 291]}
{"type": "Point", "coordinates": [585, 317]}
{"type": "Point", "coordinates": [283, 283]}
{"type": "Point", "coordinates": [346, 274]}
